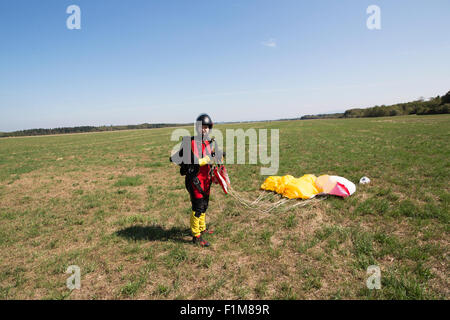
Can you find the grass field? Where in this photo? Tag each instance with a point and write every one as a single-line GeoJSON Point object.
{"type": "Point", "coordinates": [112, 204]}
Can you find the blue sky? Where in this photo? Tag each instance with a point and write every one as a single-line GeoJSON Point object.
{"type": "Point", "coordinates": [167, 61]}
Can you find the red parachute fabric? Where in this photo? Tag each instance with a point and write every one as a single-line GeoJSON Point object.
{"type": "Point", "coordinates": [220, 176]}
{"type": "Point", "coordinates": [339, 190]}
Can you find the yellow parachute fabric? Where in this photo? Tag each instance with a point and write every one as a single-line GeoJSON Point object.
{"type": "Point", "coordinates": [271, 183]}
{"type": "Point", "coordinates": [292, 188]}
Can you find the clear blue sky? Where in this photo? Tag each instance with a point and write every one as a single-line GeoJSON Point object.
{"type": "Point", "coordinates": [167, 61]}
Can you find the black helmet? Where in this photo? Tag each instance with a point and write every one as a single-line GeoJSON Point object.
{"type": "Point", "coordinates": [205, 120]}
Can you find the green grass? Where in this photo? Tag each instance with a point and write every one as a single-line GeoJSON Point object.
{"type": "Point", "coordinates": [112, 204]}
{"type": "Point", "coordinates": [129, 181]}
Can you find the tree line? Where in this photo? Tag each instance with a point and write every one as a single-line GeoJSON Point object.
{"type": "Point", "coordinates": [81, 129]}
{"type": "Point", "coordinates": [436, 105]}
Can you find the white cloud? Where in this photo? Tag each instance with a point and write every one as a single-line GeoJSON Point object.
{"type": "Point", "coordinates": [270, 43]}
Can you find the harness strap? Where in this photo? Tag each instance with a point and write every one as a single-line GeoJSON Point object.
{"type": "Point", "coordinates": [197, 184]}
{"type": "Point", "coordinates": [196, 151]}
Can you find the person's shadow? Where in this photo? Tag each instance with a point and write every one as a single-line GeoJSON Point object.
{"type": "Point", "coordinates": [154, 233]}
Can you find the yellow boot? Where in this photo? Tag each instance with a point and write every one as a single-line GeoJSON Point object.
{"type": "Point", "coordinates": [203, 225]}
{"type": "Point", "coordinates": [195, 229]}
{"type": "Point", "coordinates": [195, 224]}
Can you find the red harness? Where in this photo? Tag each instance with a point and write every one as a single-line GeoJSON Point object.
{"type": "Point", "coordinates": [195, 148]}
{"type": "Point", "coordinates": [206, 176]}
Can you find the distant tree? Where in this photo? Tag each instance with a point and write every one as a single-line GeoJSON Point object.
{"type": "Point", "coordinates": [445, 99]}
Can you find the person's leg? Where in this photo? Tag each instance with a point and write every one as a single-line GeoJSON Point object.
{"type": "Point", "coordinates": [202, 222]}
{"type": "Point", "coordinates": [195, 217]}
{"type": "Point", "coordinates": [198, 223]}
{"type": "Point", "coordinates": [195, 224]}
{"type": "Point", "coordinates": [204, 207]}
{"type": "Point", "coordinates": [198, 208]}
{"type": "Point", "coordinates": [203, 228]}
{"type": "Point", "coordinates": [195, 229]}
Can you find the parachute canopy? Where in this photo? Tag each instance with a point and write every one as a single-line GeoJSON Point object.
{"type": "Point", "coordinates": [308, 186]}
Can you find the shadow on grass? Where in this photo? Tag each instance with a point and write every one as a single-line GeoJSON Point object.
{"type": "Point", "coordinates": [154, 233]}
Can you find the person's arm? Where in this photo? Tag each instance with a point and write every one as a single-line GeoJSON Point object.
{"type": "Point", "coordinates": [177, 156]}
{"type": "Point", "coordinates": [182, 156]}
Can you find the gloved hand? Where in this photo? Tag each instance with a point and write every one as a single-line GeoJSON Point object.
{"type": "Point", "coordinates": [219, 161]}
{"type": "Point", "coordinates": [204, 161]}
{"type": "Point", "coordinates": [219, 156]}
